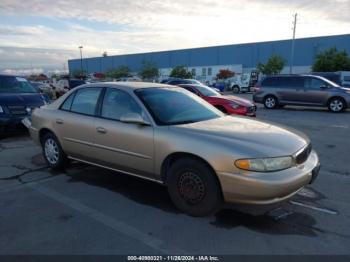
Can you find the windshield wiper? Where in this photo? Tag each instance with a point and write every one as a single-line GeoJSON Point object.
{"type": "Point", "coordinates": [183, 122]}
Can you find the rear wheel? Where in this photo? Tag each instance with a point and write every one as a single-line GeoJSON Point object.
{"type": "Point", "coordinates": [270, 102]}
{"type": "Point", "coordinates": [53, 153]}
{"type": "Point", "coordinates": [336, 105]}
{"type": "Point", "coordinates": [235, 89]}
{"type": "Point", "coordinates": [193, 187]}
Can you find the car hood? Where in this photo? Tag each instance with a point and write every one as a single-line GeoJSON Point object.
{"type": "Point", "coordinates": [230, 99]}
{"type": "Point", "coordinates": [252, 138]}
{"type": "Point", "coordinates": [32, 99]}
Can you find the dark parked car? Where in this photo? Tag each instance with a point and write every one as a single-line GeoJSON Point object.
{"type": "Point", "coordinates": [306, 90]}
{"type": "Point", "coordinates": [17, 100]}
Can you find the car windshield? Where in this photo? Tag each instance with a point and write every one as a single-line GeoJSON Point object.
{"type": "Point", "coordinates": [196, 82]}
{"type": "Point", "coordinates": [207, 91]}
{"type": "Point", "coordinates": [175, 106]}
{"type": "Point", "coordinates": [16, 85]}
{"type": "Point", "coordinates": [330, 83]}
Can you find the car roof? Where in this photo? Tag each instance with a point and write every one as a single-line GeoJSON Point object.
{"type": "Point", "coordinates": [293, 75]}
{"type": "Point", "coordinates": [128, 85]}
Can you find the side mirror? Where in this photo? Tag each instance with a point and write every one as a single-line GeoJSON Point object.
{"type": "Point", "coordinates": [324, 87]}
{"type": "Point", "coordinates": [134, 118]}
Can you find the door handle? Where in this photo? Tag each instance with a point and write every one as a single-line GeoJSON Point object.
{"type": "Point", "coordinates": [101, 130]}
{"type": "Point", "coordinates": [59, 121]}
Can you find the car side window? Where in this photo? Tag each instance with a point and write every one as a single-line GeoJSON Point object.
{"type": "Point", "coordinates": [117, 103]}
{"type": "Point", "coordinates": [314, 83]}
{"type": "Point", "coordinates": [269, 82]}
{"type": "Point", "coordinates": [68, 103]}
{"type": "Point", "coordinates": [295, 82]}
{"type": "Point", "coordinates": [85, 101]}
{"type": "Point", "coordinates": [190, 89]}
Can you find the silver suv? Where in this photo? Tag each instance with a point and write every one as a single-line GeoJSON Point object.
{"type": "Point", "coordinates": [305, 90]}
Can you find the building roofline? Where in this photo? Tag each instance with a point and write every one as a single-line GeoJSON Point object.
{"type": "Point", "coordinates": [215, 46]}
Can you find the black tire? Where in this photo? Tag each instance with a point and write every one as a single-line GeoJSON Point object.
{"type": "Point", "coordinates": [270, 102]}
{"type": "Point", "coordinates": [193, 187]}
{"type": "Point", "coordinates": [53, 153]}
{"type": "Point", "coordinates": [235, 89]}
{"type": "Point", "coordinates": [222, 109]}
{"type": "Point", "coordinates": [337, 105]}
{"type": "Point", "coordinates": [2, 132]}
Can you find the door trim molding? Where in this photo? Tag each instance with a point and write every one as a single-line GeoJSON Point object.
{"type": "Point", "coordinates": [117, 170]}
{"type": "Point", "coordinates": [121, 151]}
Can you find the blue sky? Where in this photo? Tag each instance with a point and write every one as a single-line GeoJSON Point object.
{"type": "Point", "coordinates": [41, 35]}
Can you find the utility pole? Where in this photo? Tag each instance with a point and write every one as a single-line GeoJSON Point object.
{"type": "Point", "coordinates": [81, 60]}
{"type": "Point", "coordinates": [293, 42]}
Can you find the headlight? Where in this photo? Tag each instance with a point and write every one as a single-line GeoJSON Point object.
{"type": "Point", "coordinates": [1, 110]}
{"type": "Point", "coordinates": [265, 164]}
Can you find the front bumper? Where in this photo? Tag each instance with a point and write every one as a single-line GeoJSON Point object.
{"type": "Point", "coordinates": [34, 133]}
{"type": "Point", "coordinates": [268, 188]}
{"type": "Point", "coordinates": [9, 122]}
{"type": "Point", "coordinates": [244, 111]}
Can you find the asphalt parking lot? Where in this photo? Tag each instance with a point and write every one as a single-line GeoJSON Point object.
{"type": "Point", "coordinates": [88, 210]}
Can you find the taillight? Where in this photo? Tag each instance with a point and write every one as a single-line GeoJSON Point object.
{"type": "Point", "coordinates": [257, 87]}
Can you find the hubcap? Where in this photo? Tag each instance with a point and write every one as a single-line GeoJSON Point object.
{"type": "Point", "coordinates": [51, 151]}
{"type": "Point", "coordinates": [270, 102]}
{"type": "Point", "coordinates": [191, 188]}
{"type": "Point", "coordinates": [336, 105]}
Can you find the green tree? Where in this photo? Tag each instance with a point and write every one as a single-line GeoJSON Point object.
{"type": "Point", "coordinates": [180, 72]}
{"type": "Point", "coordinates": [331, 60]}
{"type": "Point", "coordinates": [273, 66]}
{"type": "Point", "coordinates": [119, 72]}
{"type": "Point", "coordinates": [78, 73]}
{"type": "Point", "coordinates": [149, 70]}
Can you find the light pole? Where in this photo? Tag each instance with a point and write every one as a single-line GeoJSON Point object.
{"type": "Point", "coordinates": [81, 61]}
{"type": "Point", "coordinates": [293, 42]}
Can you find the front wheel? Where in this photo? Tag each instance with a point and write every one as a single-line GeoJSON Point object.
{"type": "Point", "coordinates": [336, 105]}
{"type": "Point", "coordinates": [53, 153]}
{"type": "Point", "coordinates": [193, 187]}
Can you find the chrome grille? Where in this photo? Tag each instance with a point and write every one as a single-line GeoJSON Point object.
{"type": "Point", "coordinates": [17, 110]}
{"type": "Point", "coordinates": [251, 109]}
{"type": "Point", "coordinates": [302, 156]}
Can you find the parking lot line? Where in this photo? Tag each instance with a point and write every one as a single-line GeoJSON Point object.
{"type": "Point", "coordinates": [324, 210]}
{"type": "Point", "coordinates": [118, 226]}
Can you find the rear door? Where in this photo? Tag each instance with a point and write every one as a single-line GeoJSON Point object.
{"type": "Point", "coordinates": [290, 89]}
{"type": "Point", "coordinates": [74, 122]}
{"type": "Point", "coordinates": [123, 146]}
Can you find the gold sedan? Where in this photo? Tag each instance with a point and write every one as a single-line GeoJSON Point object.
{"type": "Point", "coordinates": [170, 136]}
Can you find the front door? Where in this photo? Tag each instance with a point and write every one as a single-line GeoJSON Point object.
{"type": "Point", "coordinates": [123, 146]}
{"type": "Point", "coordinates": [315, 91]}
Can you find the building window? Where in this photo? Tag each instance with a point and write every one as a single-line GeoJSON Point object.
{"type": "Point", "coordinates": [204, 71]}
{"type": "Point", "coordinates": [193, 71]}
{"type": "Point", "coordinates": [209, 71]}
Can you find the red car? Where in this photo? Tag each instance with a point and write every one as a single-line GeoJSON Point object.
{"type": "Point", "coordinates": [227, 104]}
